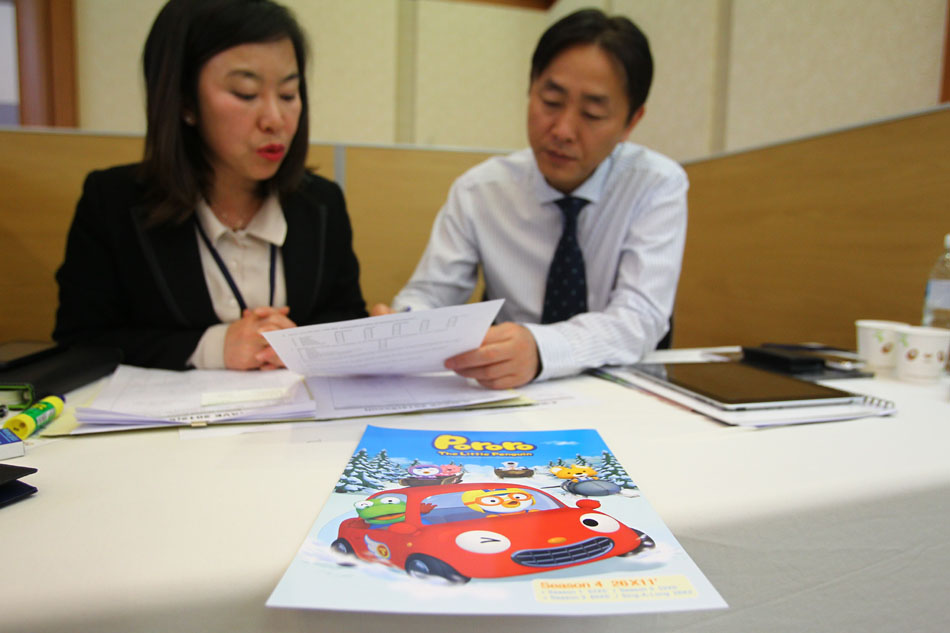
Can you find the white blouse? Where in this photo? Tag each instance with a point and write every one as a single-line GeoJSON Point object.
{"type": "Point", "coordinates": [246, 253]}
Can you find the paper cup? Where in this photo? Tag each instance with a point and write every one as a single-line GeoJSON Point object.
{"type": "Point", "coordinates": [921, 352]}
{"type": "Point", "coordinates": [876, 341]}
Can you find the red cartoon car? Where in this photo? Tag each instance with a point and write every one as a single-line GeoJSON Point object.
{"type": "Point", "coordinates": [481, 530]}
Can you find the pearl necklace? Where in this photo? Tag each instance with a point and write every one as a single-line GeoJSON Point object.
{"type": "Point", "coordinates": [235, 224]}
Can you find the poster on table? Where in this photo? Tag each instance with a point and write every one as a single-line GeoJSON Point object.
{"type": "Point", "coordinates": [490, 522]}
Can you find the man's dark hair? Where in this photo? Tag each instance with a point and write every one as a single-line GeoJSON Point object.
{"type": "Point", "coordinates": [617, 36]}
{"type": "Point", "coordinates": [184, 36]}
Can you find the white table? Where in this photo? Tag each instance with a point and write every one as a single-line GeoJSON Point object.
{"type": "Point", "coordinates": [828, 527]}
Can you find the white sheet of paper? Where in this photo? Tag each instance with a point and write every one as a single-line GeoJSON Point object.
{"type": "Point", "coordinates": [351, 396]}
{"type": "Point", "coordinates": [402, 343]}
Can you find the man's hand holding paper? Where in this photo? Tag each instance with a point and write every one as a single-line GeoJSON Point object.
{"type": "Point", "coordinates": [507, 358]}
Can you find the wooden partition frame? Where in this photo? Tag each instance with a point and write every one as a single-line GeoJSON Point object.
{"type": "Point", "coordinates": [796, 241]}
{"type": "Point", "coordinates": [786, 243]}
{"type": "Point", "coordinates": [393, 196]}
{"type": "Point", "coordinates": [41, 176]}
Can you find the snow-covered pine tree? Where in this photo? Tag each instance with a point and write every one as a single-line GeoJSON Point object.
{"type": "Point", "coordinates": [609, 468]}
{"type": "Point", "coordinates": [359, 475]}
{"type": "Point", "coordinates": [386, 469]}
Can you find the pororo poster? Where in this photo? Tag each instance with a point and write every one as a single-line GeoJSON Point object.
{"type": "Point", "coordinates": [490, 522]}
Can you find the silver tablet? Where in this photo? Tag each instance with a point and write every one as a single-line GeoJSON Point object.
{"type": "Point", "coordinates": [737, 386]}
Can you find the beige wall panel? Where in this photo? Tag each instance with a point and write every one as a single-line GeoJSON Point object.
{"type": "Point", "coordinates": [795, 242]}
{"type": "Point", "coordinates": [797, 67]}
{"type": "Point", "coordinates": [563, 7]}
{"type": "Point", "coordinates": [393, 196]}
{"type": "Point", "coordinates": [9, 79]}
{"type": "Point", "coordinates": [805, 66]}
{"type": "Point", "coordinates": [682, 37]}
{"type": "Point", "coordinates": [472, 71]}
{"type": "Point", "coordinates": [110, 36]}
{"type": "Point", "coordinates": [349, 39]}
{"type": "Point", "coordinates": [353, 68]}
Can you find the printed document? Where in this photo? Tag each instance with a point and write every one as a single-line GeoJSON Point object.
{"type": "Point", "coordinates": [401, 343]}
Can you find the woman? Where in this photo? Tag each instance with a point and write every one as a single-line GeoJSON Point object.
{"type": "Point", "coordinates": [220, 233]}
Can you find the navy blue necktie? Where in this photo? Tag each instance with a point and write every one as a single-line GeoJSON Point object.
{"type": "Point", "coordinates": [566, 292]}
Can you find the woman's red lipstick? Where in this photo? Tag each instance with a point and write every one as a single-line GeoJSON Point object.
{"type": "Point", "coordinates": [273, 152]}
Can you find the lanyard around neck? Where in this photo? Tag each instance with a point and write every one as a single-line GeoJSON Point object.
{"type": "Point", "coordinates": [227, 275]}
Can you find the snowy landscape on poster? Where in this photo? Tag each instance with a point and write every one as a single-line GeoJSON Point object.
{"type": "Point", "coordinates": [490, 522]}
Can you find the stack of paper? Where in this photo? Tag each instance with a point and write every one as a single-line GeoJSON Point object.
{"type": "Point", "coordinates": [138, 396]}
{"type": "Point", "coordinates": [363, 367]}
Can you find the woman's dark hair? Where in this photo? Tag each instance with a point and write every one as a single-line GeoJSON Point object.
{"type": "Point", "coordinates": [617, 36]}
{"type": "Point", "coordinates": [185, 35]}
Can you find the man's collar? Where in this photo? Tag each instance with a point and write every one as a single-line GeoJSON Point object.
{"type": "Point", "coordinates": [268, 224]}
{"type": "Point", "coordinates": [591, 189]}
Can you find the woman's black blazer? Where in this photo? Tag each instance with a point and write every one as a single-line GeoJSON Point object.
{"type": "Point", "coordinates": [143, 290]}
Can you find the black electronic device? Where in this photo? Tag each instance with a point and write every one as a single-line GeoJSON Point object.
{"type": "Point", "coordinates": [11, 488]}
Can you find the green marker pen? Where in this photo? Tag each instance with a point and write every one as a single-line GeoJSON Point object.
{"type": "Point", "coordinates": [36, 417]}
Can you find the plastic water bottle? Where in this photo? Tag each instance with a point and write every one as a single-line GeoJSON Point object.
{"type": "Point", "coordinates": [937, 299]}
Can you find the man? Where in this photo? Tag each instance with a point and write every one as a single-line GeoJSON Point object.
{"type": "Point", "coordinates": [522, 217]}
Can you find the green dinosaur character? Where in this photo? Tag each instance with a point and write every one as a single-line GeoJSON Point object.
{"type": "Point", "coordinates": [384, 510]}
